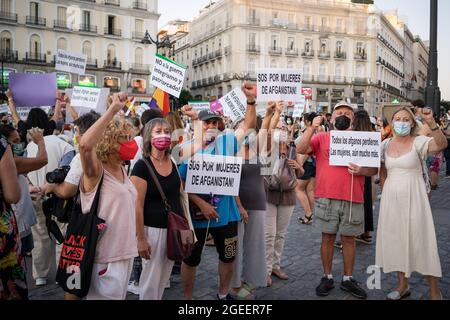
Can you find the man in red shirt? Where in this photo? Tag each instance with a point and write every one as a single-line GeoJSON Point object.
{"type": "Point", "coordinates": [336, 199]}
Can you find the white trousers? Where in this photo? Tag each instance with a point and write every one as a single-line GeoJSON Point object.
{"type": "Point", "coordinates": [156, 271]}
{"type": "Point", "coordinates": [110, 281]}
{"type": "Point", "coordinates": [277, 222]}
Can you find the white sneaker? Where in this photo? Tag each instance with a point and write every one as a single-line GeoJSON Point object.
{"type": "Point", "coordinates": [167, 285]}
{"type": "Point", "coordinates": [40, 282]}
{"type": "Point", "coordinates": [133, 288]}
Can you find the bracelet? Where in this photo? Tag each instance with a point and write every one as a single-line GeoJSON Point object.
{"type": "Point", "coordinates": [251, 103]}
{"type": "Point", "coordinates": [435, 129]}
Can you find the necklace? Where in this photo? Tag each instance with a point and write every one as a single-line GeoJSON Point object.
{"type": "Point", "coordinates": [159, 160]}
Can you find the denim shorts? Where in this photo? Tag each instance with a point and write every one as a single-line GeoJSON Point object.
{"type": "Point", "coordinates": [333, 216]}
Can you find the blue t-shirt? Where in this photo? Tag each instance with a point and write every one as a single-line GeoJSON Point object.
{"type": "Point", "coordinates": [225, 145]}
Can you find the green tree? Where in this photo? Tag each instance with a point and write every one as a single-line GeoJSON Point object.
{"type": "Point", "coordinates": [185, 97]}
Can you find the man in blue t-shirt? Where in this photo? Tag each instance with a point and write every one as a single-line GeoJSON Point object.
{"type": "Point", "coordinates": [220, 212]}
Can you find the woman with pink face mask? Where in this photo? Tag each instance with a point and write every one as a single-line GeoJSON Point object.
{"type": "Point", "coordinates": [151, 216]}
{"type": "Point", "coordinates": [103, 150]}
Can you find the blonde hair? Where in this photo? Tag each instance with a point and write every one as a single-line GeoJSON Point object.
{"type": "Point", "coordinates": [118, 127]}
{"type": "Point", "coordinates": [414, 126]}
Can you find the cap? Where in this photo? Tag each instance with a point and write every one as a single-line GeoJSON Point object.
{"type": "Point", "coordinates": [205, 115]}
{"type": "Point", "coordinates": [343, 104]}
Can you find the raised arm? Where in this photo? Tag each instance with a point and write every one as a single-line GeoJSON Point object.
{"type": "Point", "coordinates": [439, 141]}
{"type": "Point", "coordinates": [188, 150]}
{"type": "Point", "coordinates": [263, 134]}
{"type": "Point", "coordinates": [12, 107]}
{"type": "Point", "coordinates": [250, 114]}
{"type": "Point", "coordinates": [91, 164]}
{"type": "Point", "coordinates": [276, 116]}
{"type": "Point", "coordinates": [8, 178]}
{"type": "Point", "coordinates": [71, 109]}
{"type": "Point", "coordinates": [25, 165]}
{"type": "Point", "coordinates": [304, 147]}
{"type": "Point", "coordinates": [57, 115]}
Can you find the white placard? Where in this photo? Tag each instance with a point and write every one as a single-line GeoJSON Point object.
{"type": "Point", "coordinates": [92, 98]}
{"type": "Point", "coordinates": [299, 107]}
{"type": "Point", "coordinates": [234, 104]}
{"type": "Point", "coordinates": [70, 62]}
{"type": "Point", "coordinates": [361, 148]}
{"type": "Point", "coordinates": [279, 84]}
{"type": "Point", "coordinates": [200, 105]}
{"type": "Point", "coordinates": [168, 76]}
{"type": "Point", "coordinates": [4, 109]}
{"type": "Point", "coordinates": [141, 109]}
{"type": "Point", "coordinates": [219, 175]}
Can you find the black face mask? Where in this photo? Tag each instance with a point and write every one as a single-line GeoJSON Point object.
{"type": "Point", "coordinates": [342, 123]}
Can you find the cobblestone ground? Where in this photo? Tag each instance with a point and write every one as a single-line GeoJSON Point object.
{"type": "Point", "coordinates": [301, 261]}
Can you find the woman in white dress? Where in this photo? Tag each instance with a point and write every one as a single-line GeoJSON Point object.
{"type": "Point", "coordinates": [406, 240]}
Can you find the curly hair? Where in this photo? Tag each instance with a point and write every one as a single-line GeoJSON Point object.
{"type": "Point", "coordinates": [118, 127]}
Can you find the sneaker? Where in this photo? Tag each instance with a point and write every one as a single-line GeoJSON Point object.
{"type": "Point", "coordinates": [325, 286]}
{"type": "Point", "coordinates": [364, 239]}
{"type": "Point", "coordinates": [40, 282]}
{"type": "Point", "coordinates": [133, 288]}
{"type": "Point", "coordinates": [228, 297]}
{"type": "Point", "coordinates": [352, 286]}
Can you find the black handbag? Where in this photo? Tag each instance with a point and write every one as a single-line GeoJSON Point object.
{"type": "Point", "coordinates": [180, 237]}
{"type": "Point", "coordinates": [78, 253]}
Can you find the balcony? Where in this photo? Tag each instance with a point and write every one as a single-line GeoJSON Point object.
{"type": "Point", "coordinates": [217, 79]}
{"type": "Point", "coordinates": [113, 32]}
{"type": "Point", "coordinates": [36, 21]}
{"type": "Point", "coordinates": [211, 56]}
{"type": "Point", "coordinates": [112, 3]}
{"type": "Point", "coordinates": [253, 48]}
{"type": "Point", "coordinates": [8, 55]}
{"type": "Point", "coordinates": [91, 63]}
{"type": "Point", "coordinates": [339, 55]}
{"type": "Point", "coordinates": [324, 29]}
{"type": "Point", "coordinates": [112, 64]}
{"type": "Point", "coordinates": [138, 35]}
{"type": "Point", "coordinates": [204, 82]}
{"type": "Point", "coordinates": [60, 24]}
{"type": "Point", "coordinates": [88, 28]}
{"type": "Point", "coordinates": [194, 85]}
{"type": "Point", "coordinates": [139, 67]}
{"type": "Point", "coordinates": [36, 57]}
{"type": "Point", "coordinates": [218, 53]}
{"type": "Point", "coordinates": [323, 79]}
{"type": "Point", "coordinates": [308, 54]}
{"type": "Point", "coordinates": [254, 21]}
{"type": "Point", "coordinates": [324, 54]}
{"type": "Point", "coordinates": [308, 78]}
{"type": "Point", "coordinates": [227, 50]}
{"type": "Point", "coordinates": [309, 27]}
{"type": "Point", "coordinates": [339, 79]}
{"type": "Point", "coordinates": [8, 17]}
{"type": "Point", "coordinates": [138, 5]}
{"type": "Point", "coordinates": [211, 80]}
{"type": "Point", "coordinates": [199, 83]}
{"type": "Point", "coordinates": [292, 52]}
{"type": "Point", "coordinates": [359, 80]}
{"type": "Point", "coordinates": [275, 51]}
{"type": "Point", "coordinates": [360, 56]}
{"type": "Point", "coordinates": [292, 26]}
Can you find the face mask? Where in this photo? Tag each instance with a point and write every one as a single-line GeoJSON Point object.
{"type": "Point", "coordinates": [289, 122]}
{"type": "Point", "coordinates": [128, 150]}
{"type": "Point", "coordinates": [211, 135]}
{"type": "Point", "coordinates": [402, 129]}
{"type": "Point", "coordinates": [342, 123]}
{"type": "Point", "coordinates": [161, 142]}
{"type": "Point", "coordinates": [18, 149]}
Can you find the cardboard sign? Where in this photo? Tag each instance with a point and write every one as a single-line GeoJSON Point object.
{"type": "Point", "coordinates": [299, 108]}
{"type": "Point", "coordinates": [279, 84]}
{"type": "Point", "coordinates": [33, 90]}
{"type": "Point", "coordinates": [91, 98]}
{"type": "Point", "coordinates": [234, 104]}
{"type": "Point", "coordinates": [219, 175]}
{"type": "Point", "coordinates": [168, 76]}
{"type": "Point", "coordinates": [361, 148]}
{"type": "Point", "coordinates": [70, 62]}
{"type": "Point", "coordinates": [4, 109]}
{"type": "Point", "coordinates": [199, 105]}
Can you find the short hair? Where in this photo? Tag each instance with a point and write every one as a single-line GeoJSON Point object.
{"type": "Point", "coordinates": [108, 144]}
{"type": "Point", "coordinates": [147, 133]}
{"type": "Point", "coordinates": [6, 130]}
{"type": "Point", "coordinates": [362, 121]}
{"type": "Point", "coordinates": [418, 103]}
{"type": "Point", "coordinates": [86, 121]}
{"type": "Point", "coordinates": [309, 117]}
{"type": "Point", "coordinates": [414, 126]}
{"type": "Point", "coordinates": [37, 118]}
{"type": "Point", "coordinates": [151, 114]}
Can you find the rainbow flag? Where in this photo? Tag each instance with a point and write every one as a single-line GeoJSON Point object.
{"type": "Point", "coordinates": [160, 100]}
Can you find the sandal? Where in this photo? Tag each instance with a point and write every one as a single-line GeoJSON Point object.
{"type": "Point", "coordinates": [396, 295]}
{"type": "Point", "coordinates": [306, 220]}
{"type": "Point", "coordinates": [243, 294]}
{"type": "Point", "coordinates": [364, 239]}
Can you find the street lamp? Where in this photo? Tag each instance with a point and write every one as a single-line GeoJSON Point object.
{"type": "Point", "coordinates": [165, 43]}
{"type": "Point", "coordinates": [433, 93]}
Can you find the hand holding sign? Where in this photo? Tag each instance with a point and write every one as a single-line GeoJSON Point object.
{"type": "Point", "coordinates": [354, 169]}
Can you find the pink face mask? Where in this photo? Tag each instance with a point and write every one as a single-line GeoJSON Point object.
{"type": "Point", "coordinates": [161, 142]}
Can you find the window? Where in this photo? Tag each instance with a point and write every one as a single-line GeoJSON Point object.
{"type": "Point", "coordinates": [252, 40]}
{"type": "Point", "coordinates": [139, 56]}
{"type": "Point", "coordinates": [251, 65]}
{"type": "Point", "coordinates": [339, 25]}
{"type": "Point", "coordinates": [323, 46]}
{"type": "Point", "coordinates": [35, 44]}
{"type": "Point", "coordinates": [139, 86]}
{"type": "Point", "coordinates": [252, 15]}
{"type": "Point", "coordinates": [87, 80]}
{"type": "Point", "coordinates": [111, 24]}
{"type": "Point", "coordinates": [61, 44]}
{"type": "Point", "coordinates": [111, 82]}
{"type": "Point", "coordinates": [308, 21]}
{"type": "Point", "coordinates": [274, 15]}
{"type": "Point", "coordinates": [62, 14]}
{"type": "Point", "coordinates": [273, 64]}
{"type": "Point", "coordinates": [6, 6]}
{"type": "Point", "coordinates": [86, 18]}
{"type": "Point", "coordinates": [322, 70]}
{"type": "Point", "coordinates": [308, 46]}
{"type": "Point", "coordinates": [339, 46]}
{"type": "Point", "coordinates": [291, 43]}
{"type": "Point", "coordinates": [338, 70]}
{"type": "Point", "coordinates": [139, 25]}
{"type": "Point", "coordinates": [111, 54]}
{"type": "Point", "coordinates": [291, 17]}
{"type": "Point", "coordinates": [274, 42]}
{"type": "Point", "coordinates": [34, 9]}
{"type": "Point", "coordinates": [324, 22]}
{"type": "Point", "coordinates": [87, 49]}
{"type": "Point", "coordinates": [290, 64]}
{"type": "Point", "coordinates": [5, 41]}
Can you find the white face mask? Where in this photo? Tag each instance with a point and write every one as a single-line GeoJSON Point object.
{"type": "Point", "coordinates": [211, 135]}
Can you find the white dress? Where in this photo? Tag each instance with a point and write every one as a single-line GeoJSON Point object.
{"type": "Point", "coordinates": [406, 238]}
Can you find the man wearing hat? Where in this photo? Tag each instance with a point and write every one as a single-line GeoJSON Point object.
{"type": "Point", "coordinates": [220, 213]}
{"type": "Point", "coordinates": [336, 199]}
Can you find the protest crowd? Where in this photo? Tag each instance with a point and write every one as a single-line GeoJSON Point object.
{"type": "Point", "coordinates": [125, 195]}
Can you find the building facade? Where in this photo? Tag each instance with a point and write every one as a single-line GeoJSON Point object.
{"type": "Point", "coordinates": [342, 47]}
{"type": "Point", "coordinates": [108, 32]}
{"type": "Point", "coordinates": [421, 56]}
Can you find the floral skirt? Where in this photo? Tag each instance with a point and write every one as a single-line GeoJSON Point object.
{"type": "Point", "coordinates": [12, 265]}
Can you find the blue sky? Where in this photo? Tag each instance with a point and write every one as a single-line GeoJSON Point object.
{"type": "Point", "coordinates": [416, 12]}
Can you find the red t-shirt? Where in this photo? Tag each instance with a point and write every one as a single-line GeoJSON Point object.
{"type": "Point", "coordinates": [334, 182]}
